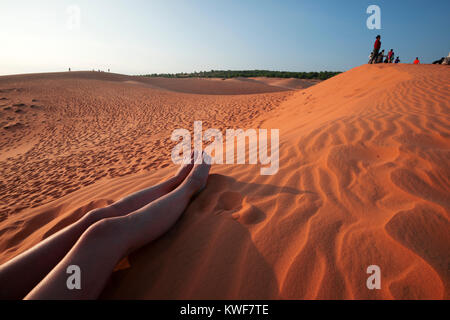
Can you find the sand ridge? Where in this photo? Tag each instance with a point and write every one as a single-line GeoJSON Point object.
{"type": "Point", "coordinates": [364, 179]}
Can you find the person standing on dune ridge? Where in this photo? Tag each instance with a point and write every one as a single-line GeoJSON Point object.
{"type": "Point", "coordinates": [391, 56]}
{"type": "Point", "coordinates": [380, 57]}
{"type": "Point", "coordinates": [376, 49]}
{"type": "Point", "coordinates": [417, 61]}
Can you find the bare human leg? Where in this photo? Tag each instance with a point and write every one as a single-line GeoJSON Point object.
{"type": "Point", "coordinates": [107, 241]}
{"type": "Point", "coordinates": [18, 278]}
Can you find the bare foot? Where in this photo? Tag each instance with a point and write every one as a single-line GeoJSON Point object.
{"type": "Point", "coordinates": [143, 197]}
{"type": "Point", "coordinates": [198, 176]}
{"type": "Point", "coordinates": [184, 170]}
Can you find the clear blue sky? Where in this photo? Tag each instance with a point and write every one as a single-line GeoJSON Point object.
{"type": "Point", "coordinates": [141, 36]}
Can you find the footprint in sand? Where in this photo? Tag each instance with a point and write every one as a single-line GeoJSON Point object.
{"type": "Point", "coordinates": [233, 203]}
{"type": "Point", "coordinates": [229, 201]}
{"type": "Point", "coordinates": [249, 215]}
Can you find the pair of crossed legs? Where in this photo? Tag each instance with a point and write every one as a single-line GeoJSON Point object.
{"type": "Point", "coordinates": [98, 240]}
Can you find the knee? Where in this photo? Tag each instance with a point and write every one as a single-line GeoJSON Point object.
{"type": "Point", "coordinates": [111, 231]}
{"type": "Point", "coordinates": [99, 213]}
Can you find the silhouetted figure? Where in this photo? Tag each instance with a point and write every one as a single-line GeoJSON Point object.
{"type": "Point", "coordinates": [380, 57]}
{"type": "Point", "coordinates": [69, 70]}
{"type": "Point", "coordinates": [376, 49]}
{"type": "Point", "coordinates": [397, 60]}
{"type": "Point", "coordinates": [446, 60]}
{"type": "Point", "coordinates": [391, 56]}
{"type": "Point", "coordinates": [439, 61]}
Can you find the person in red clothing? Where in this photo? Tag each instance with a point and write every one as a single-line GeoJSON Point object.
{"type": "Point", "coordinates": [376, 49]}
{"type": "Point", "coordinates": [390, 56]}
{"type": "Point", "coordinates": [417, 61]}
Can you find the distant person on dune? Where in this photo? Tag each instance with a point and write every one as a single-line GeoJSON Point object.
{"type": "Point", "coordinates": [438, 61]}
{"type": "Point", "coordinates": [380, 57]}
{"type": "Point", "coordinates": [370, 57]}
{"type": "Point", "coordinates": [376, 49]}
{"type": "Point", "coordinates": [100, 239]}
{"type": "Point", "coordinates": [443, 60]}
{"type": "Point", "coordinates": [391, 56]}
{"type": "Point", "coordinates": [446, 60]}
{"type": "Point", "coordinates": [417, 61]}
{"type": "Point", "coordinates": [397, 60]}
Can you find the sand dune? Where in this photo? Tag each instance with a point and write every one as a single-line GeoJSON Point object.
{"type": "Point", "coordinates": [86, 129]}
{"type": "Point", "coordinates": [289, 83]}
{"type": "Point", "coordinates": [213, 86]}
{"type": "Point", "coordinates": [232, 86]}
{"type": "Point", "coordinates": [364, 179]}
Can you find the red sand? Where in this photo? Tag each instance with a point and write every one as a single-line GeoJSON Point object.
{"type": "Point", "coordinates": [364, 179]}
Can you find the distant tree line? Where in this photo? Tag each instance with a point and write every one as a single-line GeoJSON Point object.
{"type": "Point", "coordinates": [225, 74]}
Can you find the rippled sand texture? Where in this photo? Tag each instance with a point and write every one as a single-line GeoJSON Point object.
{"type": "Point", "coordinates": [364, 179]}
